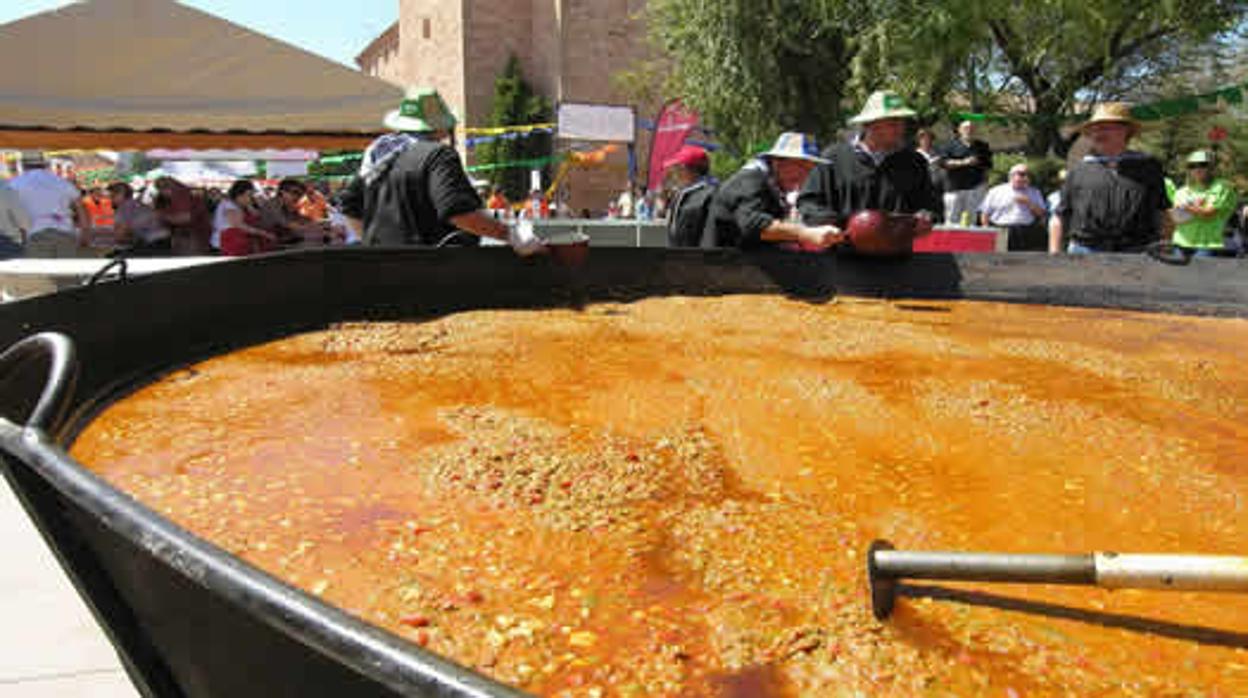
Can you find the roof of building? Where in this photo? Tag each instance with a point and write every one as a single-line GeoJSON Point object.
{"type": "Point", "coordinates": [386, 37]}
{"type": "Point", "coordinates": [134, 74]}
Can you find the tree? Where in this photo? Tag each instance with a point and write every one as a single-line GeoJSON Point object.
{"type": "Point", "coordinates": [753, 68]}
{"type": "Point", "coordinates": [515, 104]}
{"type": "Point", "coordinates": [1203, 70]}
{"type": "Point", "coordinates": [1064, 53]}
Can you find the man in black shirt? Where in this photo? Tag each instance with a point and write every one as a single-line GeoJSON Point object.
{"type": "Point", "coordinates": [876, 171]}
{"type": "Point", "coordinates": [412, 189]}
{"type": "Point", "coordinates": [757, 206]}
{"type": "Point", "coordinates": [690, 168]}
{"type": "Point", "coordinates": [1115, 199]}
{"type": "Point", "coordinates": [966, 161]}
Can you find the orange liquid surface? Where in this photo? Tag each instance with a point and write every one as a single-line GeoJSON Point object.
{"type": "Point", "coordinates": [675, 497]}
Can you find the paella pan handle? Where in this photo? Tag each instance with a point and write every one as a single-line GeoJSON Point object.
{"type": "Point", "coordinates": [37, 377]}
{"type": "Point", "coordinates": [118, 263]}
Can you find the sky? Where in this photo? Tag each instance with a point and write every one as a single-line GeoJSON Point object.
{"type": "Point", "coordinates": [337, 30]}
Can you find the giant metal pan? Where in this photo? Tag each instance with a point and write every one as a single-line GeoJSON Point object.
{"type": "Point", "coordinates": [187, 618]}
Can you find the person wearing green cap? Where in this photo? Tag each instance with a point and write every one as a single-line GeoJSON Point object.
{"type": "Point", "coordinates": [1202, 208]}
{"type": "Point", "coordinates": [412, 189]}
{"type": "Point", "coordinates": [877, 171]}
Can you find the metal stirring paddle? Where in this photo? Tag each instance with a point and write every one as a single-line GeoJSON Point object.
{"type": "Point", "coordinates": [886, 567]}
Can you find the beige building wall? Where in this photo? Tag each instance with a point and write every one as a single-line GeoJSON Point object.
{"type": "Point", "coordinates": [494, 31]}
{"type": "Point", "coordinates": [431, 48]}
{"type": "Point", "coordinates": [602, 38]}
{"type": "Point", "coordinates": [381, 58]}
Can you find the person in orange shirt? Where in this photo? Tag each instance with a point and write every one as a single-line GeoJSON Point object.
{"type": "Point", "coordinates": [99, 208]}
{"type": "Point", "coordinates": [100, 214]}
{"type": "Point", "coordinates": [313, 205]}
{"type": "Point", "coordinates": [497, 202]}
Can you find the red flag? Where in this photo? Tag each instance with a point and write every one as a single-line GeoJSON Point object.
{"type": "Point", "coordinates": [673, 126]}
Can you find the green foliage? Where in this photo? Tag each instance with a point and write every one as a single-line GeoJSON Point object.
{"type": "Point", "coordinates": [725, 164]}
{"type": "Point", "coordinates": [1060, 54]}
{"type": "Point", "coordinates": [1203, 69]}
{"type": "Point", "coordinates": [1044, 170]}
{"type": "Point", "coordinates": [515, 104]}
{"type": "Point", "coordinates": [1173, 140]}
{"type": "Point", "coordinates": [757, 67]}
{"type": "Point", "coordinates": [753, 68]}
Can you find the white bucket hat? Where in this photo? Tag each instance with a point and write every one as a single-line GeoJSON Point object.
{"type": "Point", "coordinates": [422, 111]}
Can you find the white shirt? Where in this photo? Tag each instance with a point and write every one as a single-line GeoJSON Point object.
{"type": "Point", "coordinates": [1054, 201]}
{"type": "Point", "coordinates": [1002, 209]}
{"type": "Point", "coordinates": [353, 236]}
{"type": "Point", "coordinates": [48, 199]}
{"type": "Point", "coordinates": [220, 222]}
{"type": "Point", "coordinates": [13, 218]}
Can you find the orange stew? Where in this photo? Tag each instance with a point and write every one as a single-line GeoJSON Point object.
{"type": "Point", "coordinates": [674, 497]}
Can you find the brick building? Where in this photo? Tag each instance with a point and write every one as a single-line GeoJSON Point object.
{"type": "Point", "coordinates": [569, 50]}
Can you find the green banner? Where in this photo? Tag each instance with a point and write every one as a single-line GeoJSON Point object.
{"type": "Point", "coordinates": [1155, 111]}
{"type": "Point", "coordinates": [341, 158]}
{"type": "Point", "coordinates": [1170, 108]}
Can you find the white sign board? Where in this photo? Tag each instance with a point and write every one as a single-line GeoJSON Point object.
{"type": "Point", "coordinates": [596, 122]}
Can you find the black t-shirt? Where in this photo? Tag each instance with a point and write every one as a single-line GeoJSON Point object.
{"type": "Point", "coordinates": [851, 181]}
{"type": "Point", "coordinates": [689, 213]}
{"type": "Point", "coordinates": [413, 203]}
{"type": "Point", "coordinates": [745, 206]}
{"type": "Point", "coordinates": [1114, 207]}
{"type": "Point", "coordinates": [963, 178]}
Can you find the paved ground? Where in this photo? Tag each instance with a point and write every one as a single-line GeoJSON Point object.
{"type": "Point", "coordinates": [49, 643]}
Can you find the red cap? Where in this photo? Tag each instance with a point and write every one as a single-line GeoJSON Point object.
{"type": "Point", "coordinates": [690, 156]}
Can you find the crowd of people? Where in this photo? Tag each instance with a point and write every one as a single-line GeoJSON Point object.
{"type": "Point", "coordinates": [412, 189]}
{"type": "Point", "coordinates": [1114, 200]}
{"type": "Point", "coordinates": [45, 216]}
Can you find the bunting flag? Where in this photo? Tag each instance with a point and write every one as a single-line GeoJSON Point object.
{"type": "Point", "coordinates": [473, 141]}
{"type": "Point", "coordinates": [1233, 96]}
{"type": "Point", "coordinates": [528, 164]}
{"type": "Point", "coordinates": [341, 158]}
{"type": "Point", "coordinates": [503, 130]}
{"type": "Point", "coordinates": [1170, 108]}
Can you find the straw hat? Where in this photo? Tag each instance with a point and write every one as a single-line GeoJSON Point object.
{"type": "Point", "coordinates": [884, 104]}
{"type": "Point", "coordinates": [795, 146]}
{"type": "Point", "coordinates": [422, 111]}
{"type": "Point", "coordinates": [1112, 113]}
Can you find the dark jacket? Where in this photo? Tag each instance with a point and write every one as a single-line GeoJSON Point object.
{"type": "Point", "coordinates": [971, 177]}
{"type": "Point", "coordinates": [745, 206]}
{"type": "Point", "coordinates": [1114, 208]}
{"type": "Point", "coordinates": [413, 203]}
{"type": "Point", "coordinates": [851, 182]}
{"type": "Point", "coordinates": [689, 212]}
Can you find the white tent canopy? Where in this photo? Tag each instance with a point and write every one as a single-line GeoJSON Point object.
{"type": "Point", "coordinates": [271, 155]}
{"type": "Point", "coordinates": [135, 74]}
